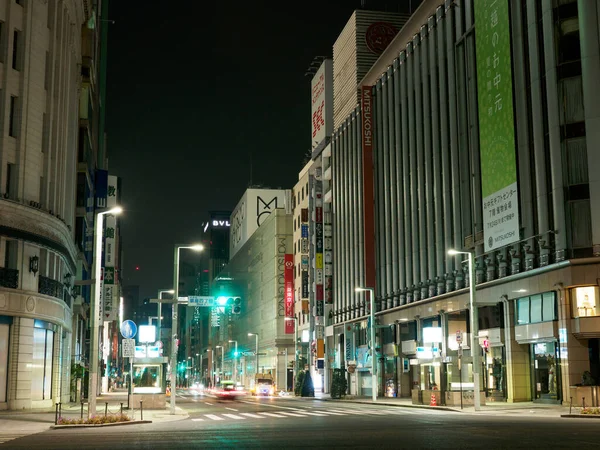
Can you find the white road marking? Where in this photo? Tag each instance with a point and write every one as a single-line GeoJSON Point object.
{"type": "Point", "coordinates": [330, 413]}
{"type": "Point", "coordinates": [197, 420]}
{"type": "Point", "coordinates": [310, 413]}
{"type": "Point", "coordinates": [206, 403]}
{"type": "Point", "coordinates": [213, 417]}
{"type": "Point", "coordinates": [292, 414]}
{"type": "Point", "coordinates": [231, 409]}
{"type": "Point", "coordinates": [272, 415]}
{"type": "Point", "coordinates": [255, 416]}
{"type": "Point", "coordinates": [233, 416]}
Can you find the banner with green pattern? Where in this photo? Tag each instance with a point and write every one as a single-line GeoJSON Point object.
{"type": "Point", "coordinates": [496, 124]}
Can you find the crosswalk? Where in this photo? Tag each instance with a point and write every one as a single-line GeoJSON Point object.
{"type": "Point", "coordinates": [9, 437]}
{"type": "Point", "coordinates": [304, 413]}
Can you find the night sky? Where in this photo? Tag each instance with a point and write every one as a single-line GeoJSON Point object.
{"type": "Point", "coordinates": [196, 91]}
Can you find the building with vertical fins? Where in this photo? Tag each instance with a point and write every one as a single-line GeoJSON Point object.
{"type": "Point", "coordinates": [482, 120]}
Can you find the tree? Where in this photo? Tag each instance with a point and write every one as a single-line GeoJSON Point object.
{"type": "Point", "coordinates": [299, 383]}
{"type": "Point", "coordinates": [339, 385]}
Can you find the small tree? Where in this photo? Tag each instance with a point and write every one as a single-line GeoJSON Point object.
{"type": "Point", "coordinates": [299, 382]}
{"type": "Point", "coordinates": [339, 384]}
{"type": "Point", "coordinates": [308, 389]}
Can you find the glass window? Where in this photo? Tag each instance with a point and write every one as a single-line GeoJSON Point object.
{"type": "Point", "coordinates": [523, 311]}
{"type": "Point", "coordinates": [41, 372]}
{"type": "Point", "coordinates": [585, 301]}
{"type": "Point", "coordinates": [549, 308]}
{"type": "Point", "coordinates": [535, 310]}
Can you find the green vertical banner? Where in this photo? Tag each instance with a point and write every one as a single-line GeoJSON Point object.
{"type": "Point", "coordinates": [496, 124]}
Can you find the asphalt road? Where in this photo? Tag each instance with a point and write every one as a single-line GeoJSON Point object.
{"type": "Point", "coordinates": [291, 423]}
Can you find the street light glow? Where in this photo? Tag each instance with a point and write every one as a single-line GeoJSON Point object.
{"type": "Point", "coordinates": [115, 210]}
{"type": "Point", "coordinates": [453, 252]}
{"type": "Point", "coordinates": [197, 247]}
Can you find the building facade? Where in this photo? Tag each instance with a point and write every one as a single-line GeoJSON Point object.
{"type": "Point", "coordinates": [429, 112]}
{"type": "Point", "coordinates": [40, 58]}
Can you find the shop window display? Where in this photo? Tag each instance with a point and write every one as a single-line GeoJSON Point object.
{"type": "Point", "coordinates": [585, 301]}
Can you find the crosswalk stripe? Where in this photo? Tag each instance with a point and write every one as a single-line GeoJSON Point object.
{"type": "Point", "coordinates": [272, 415]}
{"type": "Point", "coordinates": [233, 416]}
{"type": "Point", "coordinates": [197, 420]}
{"type": "Point", "coordinates": [310, 413]}
{"type": "Point", "coordinates": [213, 417]}
{"type": "Point", "coordinates": [348, 411]}
{"type": "Point", "coordinates": [255, 416]}
{"type": "Point", "coordinates": [293, 414]}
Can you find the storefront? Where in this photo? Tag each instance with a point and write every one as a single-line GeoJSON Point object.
{"type": "Point", "coordinates": [5, 322]}
{"type": "Point", "coordinates": [537, 327]}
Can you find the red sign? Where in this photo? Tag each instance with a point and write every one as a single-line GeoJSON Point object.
{"type": "Point", "coordinates": [288, 279]}
{"type": "Point", "coordinates": [379, 35]}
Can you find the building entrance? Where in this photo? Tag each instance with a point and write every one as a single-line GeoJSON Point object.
{"type": "Point", "coordinates": [545, 372]}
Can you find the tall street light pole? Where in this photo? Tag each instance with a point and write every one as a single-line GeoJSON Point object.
{"type": "Point", "coordinates": [221, 369]}
{"type": "Point", "coordinates": [160, 293]}
{"type": "Point", "coordinates": [295, 319]}
{"type": "Point", "coordinates": [235, 357]}
{"type": "Point", "coordinates": [174, 319]}
{"type": "Point", "coordinates": [374, 384]}
{"type": "Point", "coordinates": [95, 307]}
{"type": "Point", "coordinates": [256, 370]}
{"type": "Point", "coordinates": [474, 341]}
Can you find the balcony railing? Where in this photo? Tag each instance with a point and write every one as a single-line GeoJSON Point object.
{"type": "Point", "coordinates": [53, 288]}
{"type": "Point", "coordinates": [9, 278]}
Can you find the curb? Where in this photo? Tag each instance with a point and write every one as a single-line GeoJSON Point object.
{"type": "Point", "coordinates": [91, 425]}
{"type": "Point", "coordinates": [439, 408]}
{"type": "Point", "coordinates": [580, 416]}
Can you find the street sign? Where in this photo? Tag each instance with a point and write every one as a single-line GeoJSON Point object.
{"type": "Point", "coordinates": [200, 300]}
{"type": "Point", "coordinates": [459, 337]}
{"type": "Point", "coordinates": [248, 353]}
{"type": "Point", "coordinates": [128, 329]}
{"type": "Point", "coordinates": [128, 348]}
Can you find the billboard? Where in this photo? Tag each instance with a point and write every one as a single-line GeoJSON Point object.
{"type": "Point", "coordinates": [289, 292]}
{"type": "Point", "coordinates": [321, 91]}
{"type": "Point", "coordinates": [255, 206]}
{"type": "Point", "coordinates": [496, 125]}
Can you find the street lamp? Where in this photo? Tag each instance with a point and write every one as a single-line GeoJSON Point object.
{"type": "Point", "coordinates": [374, 383]}
{"type": "Point", "coordinates": [160, 293]}
{"type": "Point", "coordinates": [235, 357]}
{"type": "Point", "coordinates": [174, 319]}
{"type": "Point", "coordinates": [474, 327]}
{"type": "Point", "coordinates": [295, 319]}
{"type": "Point", "coordinates": [256, 336]}
{"type": "Point", "coordinates": [95, 306]}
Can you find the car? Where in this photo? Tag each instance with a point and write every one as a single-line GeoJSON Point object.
{"type": "Point", "coordinates": [229, 391]}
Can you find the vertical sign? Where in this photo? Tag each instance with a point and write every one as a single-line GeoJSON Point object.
{"type": "Point", "coordinates": [110, 292]}
{"type": "Point", "coordinates": [321, 88]}
{"type": "Point", "coordinates": [349, 343]}
{"type": "Point", "coordinates": [366, 104]}
{"type": "Point", "coordinates": [496, 124]}
{"type": "Point", "coordinates": [289, 292]}
{"type": "Point", "coordinates": [101, 185]}
{"type": "Point", "coordinates": [101, 299]}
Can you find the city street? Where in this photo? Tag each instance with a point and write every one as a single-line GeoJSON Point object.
{"type": "Point", "coordinates": [292, 423]}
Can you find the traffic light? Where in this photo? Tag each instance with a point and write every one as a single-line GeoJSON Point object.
{"type": "Point", "coordinates": [236, 308]}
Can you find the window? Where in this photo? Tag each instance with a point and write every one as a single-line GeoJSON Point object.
{"type": "Point", "coordinates": [17, 57]}
{"type": "Point", "coordinates": [408, 331]}
{"type": "Point", "coordinates": [10, 254]}
{"type": "Point", "coordinates": [19, 2]}
{"type": "Point", "coordinates": [13, 128]}
{"type": "Point", "coordinates": [585, 301]}
{"type": "Point", "coordinates": [536, 308]}
{"type": "Point", "coordinates": [41, 373]}
{"type": "Point", "coordinates": [47, 71]}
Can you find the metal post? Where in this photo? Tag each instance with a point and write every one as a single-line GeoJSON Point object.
{"type": "Point", "coordinates": [374, 386]}
{"type": "Point", "coordinates": [295, 352]}
{"type": "Point", "coordinates": [141, 410]}
{"type": "Point", "coordinates": [174, 328]}
{"type": "Point", "coordinates": [105, 408]}
{"type": "Point", "coordinates": [95, 313]}
{"type": "Point", "coordinates": [56, 415]}
{"type": "Point", "coordinates": [475, 351]}
{"type": "Point", "coordinates": [82, 409]}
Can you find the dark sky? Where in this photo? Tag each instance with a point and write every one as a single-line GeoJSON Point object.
{"type": "Point", "coordinates": [194, 89]}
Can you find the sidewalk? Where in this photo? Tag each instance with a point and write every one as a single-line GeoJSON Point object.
{"type": "Point", "coordinates": [492, 408]}
{"type": "Point", "coordinates": [33, 421]}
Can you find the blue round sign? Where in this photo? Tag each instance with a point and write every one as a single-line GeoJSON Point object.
{"type": "Point", "coordinates": [128, 329]}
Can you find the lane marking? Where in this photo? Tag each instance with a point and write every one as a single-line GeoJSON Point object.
{"type": "Point", "coordinates": [197, 420]}
{"type": "Point", "coordinates": [231, 409]}
{"type": "Point", "coordinates": [279, 416]}
{"type": "Point", "coordinates": [233, 416]}
{"type": "Point", "coordinates": [310, 413]}
{"type": "Point", "coordinates": [213, 417]}
{"type": "Point", "coordinates": [206, 403]}
{"type": "Point", "coordinates": [255, 416]}
{"type": "Point", "coordinates": [331, 413]}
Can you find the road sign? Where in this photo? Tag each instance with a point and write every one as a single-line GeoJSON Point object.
{"type": "Point", "coordinates": [248, 353]}
{"type": "Point", "coordinates": [128, 348]}
{"type": "Point", "coordinates": [128, 329]}
{"type": "Point", "coordinates": [459, 337]}
{"type": "Point", "coordinates": [200, 300]}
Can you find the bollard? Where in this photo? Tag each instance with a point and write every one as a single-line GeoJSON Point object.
{"type": "Point", "coordinates": [56, 415]}
{"type": "Point", "coordinates": [105, 409]}
{"type": "Point", "coordinates": [141, 410]}
{"type": "Point", "coordinates": [583, 402]}
{"type": "Point", "coordinates": [59, 410]}
{"type": "Point", "coordinates": [82, 409]}
{"type": "Point", "coordinates": [121, 408]}
{"type": "Point", "coordinates": [570, 405]}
